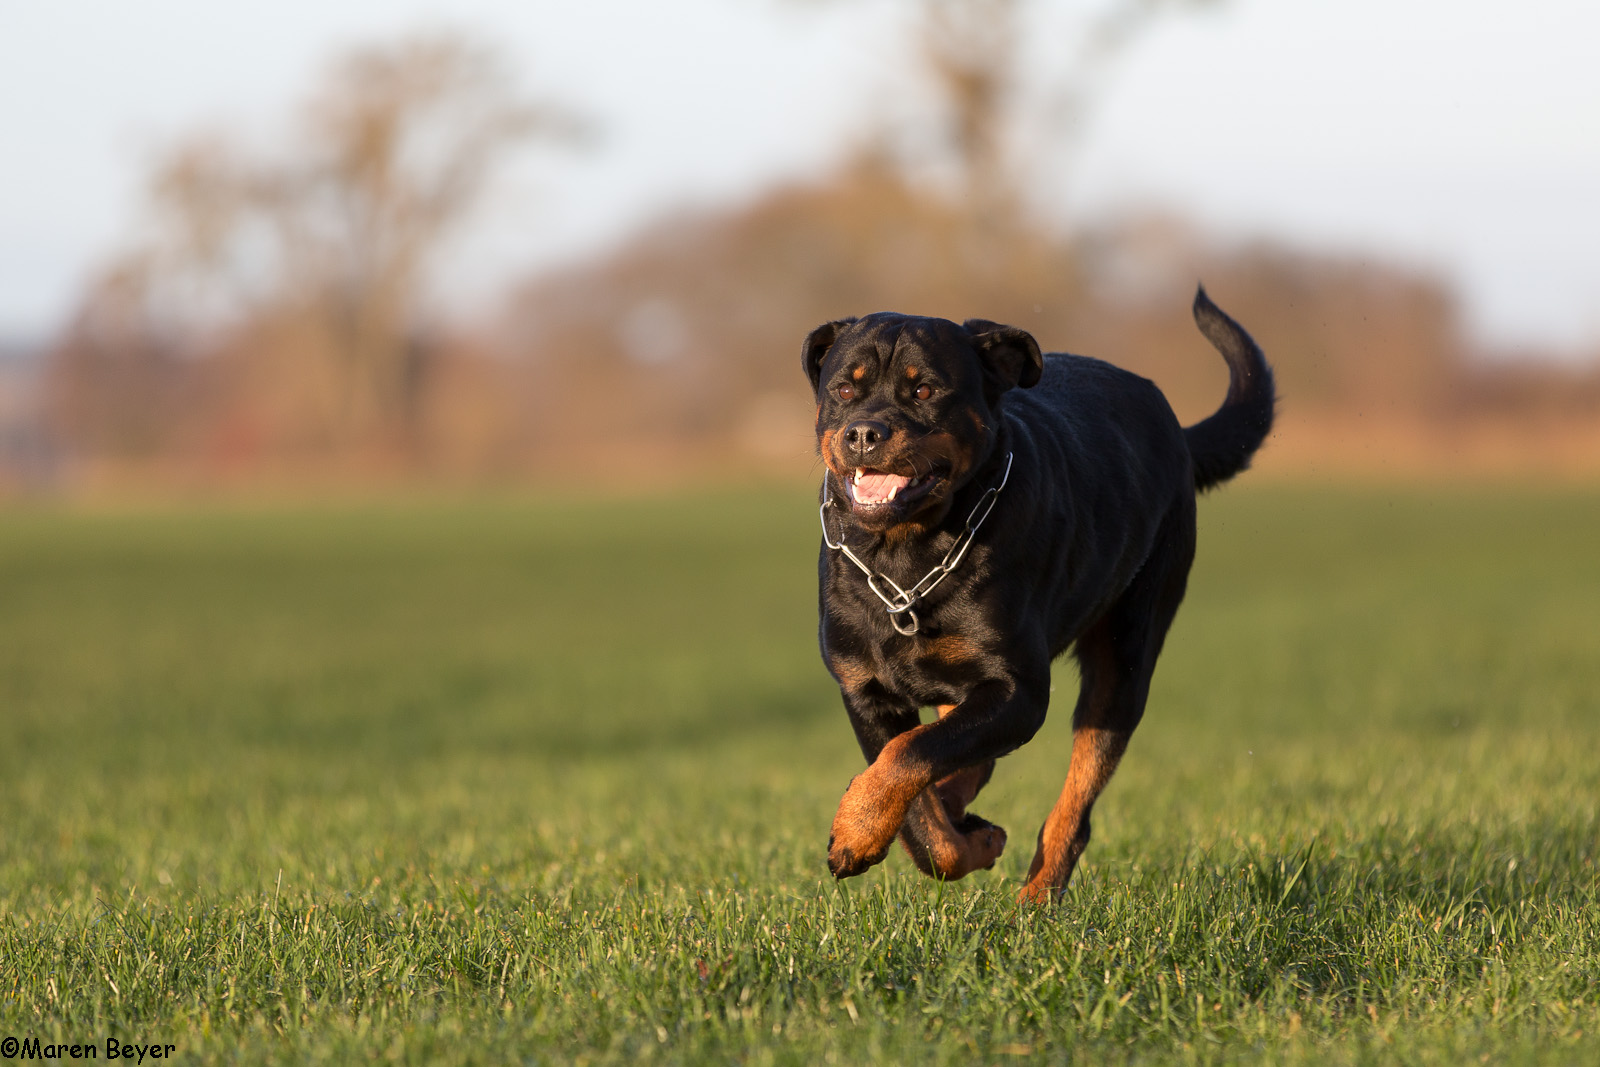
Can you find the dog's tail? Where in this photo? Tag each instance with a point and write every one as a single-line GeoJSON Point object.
{"type": "Point", "coordinates": [1222, 445]}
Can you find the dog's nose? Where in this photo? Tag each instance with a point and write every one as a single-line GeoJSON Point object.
{"type": "Point", "coordinates": [863, 435]}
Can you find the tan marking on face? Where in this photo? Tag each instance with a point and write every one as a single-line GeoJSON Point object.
{"type": "Point", "coordinates": [912, 372]}
{"type": "Point", "coordinates": [859, 373]}
{"type": "Point", "coordinates": [954, 450]}
{"type": "Point", "coordinates": [830, 458]}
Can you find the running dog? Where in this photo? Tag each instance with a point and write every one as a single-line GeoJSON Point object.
{"type": "Point", "coordinates": [985, 507]}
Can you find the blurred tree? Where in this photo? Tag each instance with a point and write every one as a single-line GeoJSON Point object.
{"type": "Point", "coordinates": [400, 142]}
{"type": "Point", "coordinates": [338, 231]}
{"type": "Point", "coordinates": [970, 50]}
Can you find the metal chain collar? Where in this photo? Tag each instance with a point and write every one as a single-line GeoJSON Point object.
{"type": "Point", "coordinates": [901, 603]}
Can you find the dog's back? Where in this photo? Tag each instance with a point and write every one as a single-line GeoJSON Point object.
{"type": "Point", "coordinates": [1113, 464]}
{"type": "Point", "coordinates": [1101, 461]}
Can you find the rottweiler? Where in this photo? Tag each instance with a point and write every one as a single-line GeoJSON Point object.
{"type": "Point", "coordinates": [986, 507]}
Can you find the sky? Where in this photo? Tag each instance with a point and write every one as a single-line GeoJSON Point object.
{"type": "Point", "coordinates": [1454, 136]}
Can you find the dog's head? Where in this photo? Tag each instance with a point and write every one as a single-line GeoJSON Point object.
{"type": "Point", "coordinates": [906, 408]}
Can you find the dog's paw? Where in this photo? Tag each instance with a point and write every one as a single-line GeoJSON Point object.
{"type": "Point", "coordinates": [1040, 892]}
{"type": "Point", "coordinates": [986, 842]}
{"type": "Point", "coordinates": [865, 825]}
{"type": "Point", "coordinates": [846, 862]}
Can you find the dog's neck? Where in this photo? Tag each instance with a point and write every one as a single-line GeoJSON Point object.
{"type": "Point", "coordinates": [901, 600]}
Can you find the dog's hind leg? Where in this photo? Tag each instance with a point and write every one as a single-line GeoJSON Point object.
{"type": "Point", "coordinates": [1116, 658]}
{"type": "Point", "coordinates": [957, 790]}
{"type": "Point", "coordinates": [941, 838]}
{"type": "Point", "coordinates": [1095, 755]}
{"type": "Point", "coordinates": [946, 848]}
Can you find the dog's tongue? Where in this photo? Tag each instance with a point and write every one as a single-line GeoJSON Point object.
{"type": "Point", "coordinates": [872, 487]}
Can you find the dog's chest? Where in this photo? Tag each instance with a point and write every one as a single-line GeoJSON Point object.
{"type": "Point", "coordinates": [939, 664]}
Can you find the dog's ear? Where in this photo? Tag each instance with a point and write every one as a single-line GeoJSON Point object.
{"type": "Point", "coordinates": [816, 347]}
{"type": "Point", "coordinates": [1011, 357]}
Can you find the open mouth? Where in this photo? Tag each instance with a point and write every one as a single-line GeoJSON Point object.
{"type": "Point", "coordinates": [875, 489]}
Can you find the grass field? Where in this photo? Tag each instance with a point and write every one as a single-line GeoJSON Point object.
{"type": "Point", "coordinates": [551, 782]}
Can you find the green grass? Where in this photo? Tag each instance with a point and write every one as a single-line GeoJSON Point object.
{"type": "Point", "coordinates": [551, 783]}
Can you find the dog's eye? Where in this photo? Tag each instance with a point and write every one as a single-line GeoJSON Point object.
{"type": "Point", "coordinates": [923, 392]}
{"type": "Point", "coordinates": [847, 391]}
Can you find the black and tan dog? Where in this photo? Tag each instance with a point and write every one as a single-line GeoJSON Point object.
{"type": "Point", "coordinates": [984, 508]}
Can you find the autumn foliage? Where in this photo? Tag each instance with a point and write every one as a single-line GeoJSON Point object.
{"type": "Point", "coordinates": [276, 327]}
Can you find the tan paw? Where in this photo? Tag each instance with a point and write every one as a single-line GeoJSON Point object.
{"type": "Point", "coordinates": [985, 842]}
{"type": "Point", "coordinates": [865, 825]}
{"type": "Point", "coordinates": [1040, 892]}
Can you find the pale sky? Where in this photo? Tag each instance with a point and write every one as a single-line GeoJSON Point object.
{"type": "Point", "coordinates": [1460, 135]}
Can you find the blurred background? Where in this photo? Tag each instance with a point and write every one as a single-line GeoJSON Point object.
{"type": "Point", "coordinates": [305, 247]}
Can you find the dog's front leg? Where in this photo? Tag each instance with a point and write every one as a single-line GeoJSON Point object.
{"type": "Point", "coordinates": [870, 814]}
{"type": "Point", "coordinates": [995, 718]}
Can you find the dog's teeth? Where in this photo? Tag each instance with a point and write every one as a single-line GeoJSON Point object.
{"type": "Point", "coordinates": [893, 489]}
{"type": "Point", "coordinates": [858, 475]}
